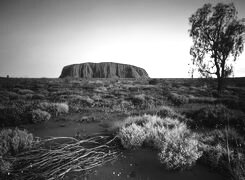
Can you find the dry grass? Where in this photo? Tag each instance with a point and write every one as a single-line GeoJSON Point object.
{"type": "Point", "coordinates": [54, 108]}
{"type": "Point", "coordinates": [50, 160]}
{"type": "Point", "coordinates": [39, 116]}
{"type": "Point", "coordinates": [178, 99]}
{"type": "Point", "coordinates": [13, 141]}
{"type": "Point", "coordinates": [179, 148]}
{"type": "Point", "coordinates": [224, 150]}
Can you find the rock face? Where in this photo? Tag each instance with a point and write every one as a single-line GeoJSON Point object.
{"type": "Point", "coordinates": [103, 70]}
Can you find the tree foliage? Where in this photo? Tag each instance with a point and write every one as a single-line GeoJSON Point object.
{"type": "Point", "coordinates": [218, 38]}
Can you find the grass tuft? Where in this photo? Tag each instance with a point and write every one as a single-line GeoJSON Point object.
{"type": "Point", "coordinates": [179, 148]}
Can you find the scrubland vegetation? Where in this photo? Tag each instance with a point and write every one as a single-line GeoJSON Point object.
{"type": "Point", "coordinates": [178, 147]}
{"type": "Point", "coordinates": [13, 142]}
{"type": "Point", "coordinates": [182, 119]}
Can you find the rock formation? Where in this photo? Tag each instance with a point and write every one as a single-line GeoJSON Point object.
{"type": "Point", "coordinates": [103, 70]}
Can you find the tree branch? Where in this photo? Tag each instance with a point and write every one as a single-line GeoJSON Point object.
{"type": "Point", "coordinates": [207, 71]}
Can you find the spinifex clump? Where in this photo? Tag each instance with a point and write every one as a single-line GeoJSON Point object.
{"type": "Point", "coordinates": [179, 148]}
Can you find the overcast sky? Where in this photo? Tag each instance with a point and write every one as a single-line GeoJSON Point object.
{"type": "Point", "coordinates": [39, 37]}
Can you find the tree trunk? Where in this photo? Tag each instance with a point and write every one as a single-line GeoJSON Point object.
{"type": "Point", "coordinates": [220, 85]}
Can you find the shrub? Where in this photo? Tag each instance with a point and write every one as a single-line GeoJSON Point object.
{"type": "Point", "coordinates": [61, 108]}
{"type": "Point", "coordinates": [9, 116]}
{"type": "Point", "coordinates": [162, 112]}
{"type": "Point", "coordinates": [230, 162]}
{"type": "Point", "coordinates": [212, 116]}
{"type": "Point", "coordinates": [178, 99]}
{"type": "Point", "coordinates": [14, 115]}
{"type": "Point", "coordinates": [232, 102]}
{"type": "Point", "coordinates": [83, 100]}
{"type": "Point", "coordinates": [165, 111]}
{"type": "Point", "coordinates": [159, 130]}
{"type": "Point", "coordinates": [224, 149]}
{"type": "Point", "coordinates": [96, 82]}
{"type": "Point", "coordinates": [138, 99]}
{"type": "Point", "coordinates": [54, 108]}
{"type": "Point", "coordinates": [180, 153]}
{"type": "Point", "coordinates": [27, 96]}
{"type": "Point", "coordinates": [237, 167]}
{"type": "Point", "coordinates": [156, 129]}
{"type": "Point", "coordinates": [96, 97]}
{"type": "Point", "coordinates": [215, 155]}
{"type": "Point", "coordinates": [38, 116]}
{"type": "Point", "coordinates": [45, 106]}
{"type": "Point", "coordinates": [132, 136]}
{"type": "Point", "coordinates": [12, 95]}
{"type": "Point", "coordinates": [138, 120]}
{"type": "Point", "coordinates": [179, 148]}
{"type": "Point", "coordinates": [5, 167]}
{"type": "Point", "coordinates": [221, 136]}
{"type": "Point", "coordinates": [122, 106]}
{"type": "Point", "coordinates": [14, 141]}
{"type": "Point", "coordinates": [126, 105]}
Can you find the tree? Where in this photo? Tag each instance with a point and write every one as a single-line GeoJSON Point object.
{"type": "Point", "coordinates": [218, 38]}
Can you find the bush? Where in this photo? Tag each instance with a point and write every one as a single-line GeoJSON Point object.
{"type": "Point", "coordinates": [132, 136]}
{"type": "Point", "coordinates": [215, 155]}
{"type": "Point", "coordinates": [138, 100]}
{"type": "Point", "coordinates": [27, 96]}
{"type": "Point", "coordinates": [122, 106]}
{"type": "Point", "coordinates": [14, 141]}
{"type": "Point", "coordinates": [229, 162]}
{"type": "Point", "coordinates": [54, 108]}
{"type": "Point", "coordinates": [14, 115]}
{"type": "Point", "coordinates": [221, 136]}
{"type": "Point", "coordinates": [12, 95]}
{"type": "Point", "coordinates": [165, 111]}
{"type": "Point", "coordinates": [10, 116]}
{"type": "Point", "coordinates": [45, 106]}
{"type": "Point", "coordinates": [178, 99]}
{"type": "Point", "coordinates": [179, 148]}
{"type": "Point", "coordinates": [212, 116]}
{"type": "Point", "coordinates": [96, 97]}
{"type": "Point", "coordinates": [61, 108]}
{"type": "Point", "coordinates": [5, 167]}
{"type": "Point", "coordinates": [224, 150]}
{"type": "Point", "coordinates": [181, 153]}
{"type": "Point", "coordinates": [78, 99]}
{"type": "Point", "coordinates": [231, 101]}
{"type": "Point", "coordinates": [162, 112]}
{"type": "Point", "coordinates": [38, 116]}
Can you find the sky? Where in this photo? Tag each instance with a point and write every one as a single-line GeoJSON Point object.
{"type": "Point", "coordinates": [39, 37]}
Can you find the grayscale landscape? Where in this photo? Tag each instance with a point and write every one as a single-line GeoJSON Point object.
{"type": "Point", "coordinates": [106, 119]}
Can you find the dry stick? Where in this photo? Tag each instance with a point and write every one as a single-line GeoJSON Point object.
{"type": "Point", "coordinates": [57, 162]}
{"type": "Point", "coordinates": [227, 142]}
{"type": "Point", "coordinates": [55, 138]}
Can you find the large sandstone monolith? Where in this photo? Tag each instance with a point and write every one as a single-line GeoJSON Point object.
{"type": "Point", "coordinates": [103, 70]}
